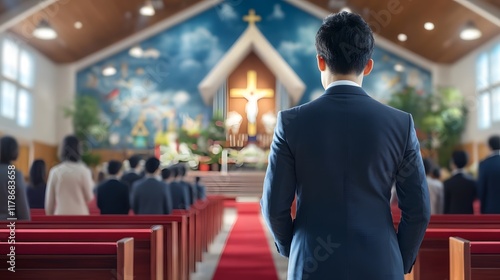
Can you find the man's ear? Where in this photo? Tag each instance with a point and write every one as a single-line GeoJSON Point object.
{"type": "Point", "coordinates": [368, 68]}
{"type": "Point", "coordinates": [321, 63]}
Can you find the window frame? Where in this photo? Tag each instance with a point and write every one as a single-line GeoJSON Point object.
{"type": "Point", "coordinates": [492, 87]}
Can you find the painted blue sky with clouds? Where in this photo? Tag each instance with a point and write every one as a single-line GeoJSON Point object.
{"type": "Point", "coordinates": [177, 59]}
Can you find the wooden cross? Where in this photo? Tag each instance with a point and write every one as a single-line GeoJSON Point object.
{"type": "Point", "coordinates": [252, 18]}
{"type": "Point", "coordinates": [251, 88]}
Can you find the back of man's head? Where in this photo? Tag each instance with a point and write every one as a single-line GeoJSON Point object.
{"type": "Point", "coordinates": [345, 42]}
{"type": "Point", "coordinates": [152, 165]}
{"type": "Point", "coordinates": [494, 142]}
{"type": "Point", "coordinates": [197, 179]}
{"type": "Point", "coordinates": [134, 161]}
{"type": "Point", "coordinates": [175, 171]}
{"type": "Point", "coordinates": [428, 166]}
{"type": "Point", "coordinates": [460, 158]}
{"type": "Point", "coordinates": [436, 173]}
{"type": "Point", "coordinates": [165, 173]}
{"type": "Point", "coordinates": [114, 167]}
{"type": "Point", "coordinates": [182, 170]}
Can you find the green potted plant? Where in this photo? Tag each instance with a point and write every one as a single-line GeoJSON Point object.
{"type": "Point", "coordinates": [88, 126]}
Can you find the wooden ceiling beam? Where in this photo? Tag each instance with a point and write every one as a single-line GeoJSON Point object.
{"type": "Point", "coordinates": [483, 9]}
{"type": "Point", "coordinates": [23, 11]}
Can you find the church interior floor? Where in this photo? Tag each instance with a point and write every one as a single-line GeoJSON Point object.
{"type": "Point", "coordinates": [206, 269]}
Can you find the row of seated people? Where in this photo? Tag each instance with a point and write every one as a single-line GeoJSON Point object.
{"type": "Point", "coordinates": [70, 186]}
{"type": "Point", "coordinates": [156, 192]}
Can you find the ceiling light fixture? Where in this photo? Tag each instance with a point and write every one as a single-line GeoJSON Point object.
{"type": "Point", "coordinates": [109, 70]}
{"type": "Point", "coordinates": [78, 25]}
{"type": "Point", "coordinates": [470, 32]}
{"type": "Point", "coordinates": [429, 26]}
{"type": "Point", "coordinates": [44, 31]}
{"type": "Point", "coordinates": [402, 37]}
{"type": "Point", "coordinates": [148, 9]}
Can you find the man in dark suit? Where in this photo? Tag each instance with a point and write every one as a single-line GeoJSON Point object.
{"type": "Point", "coordinates": [135, 172]}
{"type": "Point", "coordinates": [150, 195]}
{"type": "Point", "coordinates": [340, 155]}
{"type": "Point", "coordinates": [113, 195]}
{"type": "Point", "coordinates": [180, 195]}
{"type": "Point", "coordinates": [193, 192]}
{"type": "Point", "coordinates": [460, 188]}
{"type": "Point", "coordinates": [200, 189]}
{"type": "Point", "coordinates": [489, 179]}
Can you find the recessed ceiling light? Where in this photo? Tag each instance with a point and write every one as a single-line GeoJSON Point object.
{"type": "Point", "coordinates": [470, 32]}
{"type": "Point", "coordinates": [44, 31]}
{"type": "Point", "coordinates": [78, 25]}
{"type": "Point", "coordinates": [399, 67]}
{"type": "Point", "coordinates": [429, 26]}
{"type": "Point", "coordinates": [148, 9]}
{"type": "Point", "coordinates": [346, 9]}
{"type": "Point", "coordinates": [109, 70]}
{"type": "Point", "coordinates": [402, 37]}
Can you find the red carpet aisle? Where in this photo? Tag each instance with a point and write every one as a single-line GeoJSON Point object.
{"type": "Point", "coordinates": [247, 255]}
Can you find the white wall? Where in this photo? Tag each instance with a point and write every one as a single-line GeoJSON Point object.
{"type": "Point", "coordinates": [44, 102]}
{"type": "Point", "coordinates": [462, 75]}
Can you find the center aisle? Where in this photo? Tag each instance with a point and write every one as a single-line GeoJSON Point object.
{"type": "Point", "coordinates": [247, 255]}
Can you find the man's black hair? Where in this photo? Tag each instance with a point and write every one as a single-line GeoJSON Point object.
{"type": "Point", "coordinates": [428, 166]}
{"type": "Point", "coordinates": [182, 170]}
{"type": "Point", "coordinates": [494, 142]}
{"type": "Point", "coordinates": [345, 41]}
{"type": "Point", "coordinates": [436, 173]}
{"type": "Point", "coordinates": [460, 158]}
{"type": "Point", "coordinates": [9, 149]}
{"type": "Point", "coordinates": [152, 165]}
{"type": "Point", "coordinates": [175, 171]}
{"type": "Point", "coordinates": [134, 161]}
{"type": "Point", "coordinates": [165, 173]}
{"type": "Point", "coordinates": [114, 167]}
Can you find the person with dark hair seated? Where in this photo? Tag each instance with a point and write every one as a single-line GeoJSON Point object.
{"type": "Point", "coordinates": [113, 195]}
{"type": "Point", "coordinates": [11, 183]}
{"type": "Point", "coordinates": [149, 195]}
{"type": "Point", "coordinates": [193, 192]}
{"type": "Point", "coordinates": [436, 192]}
{"type": "Point", "coordinates": [200, 188]}
{"type": "Point", "coordinates": [489, 179]}
{"type": "Point", "coordinates": [70, 185]}
{"type": "Point", "coordinates": [180, 195]}
{"type": "Point", "coordinates": [135, 172]}
{"type": "Point", "coordinates": [460, 188]}
{"type": "Point", "coordinates": [36, 189]}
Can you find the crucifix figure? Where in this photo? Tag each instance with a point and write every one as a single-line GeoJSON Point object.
{"type": "Point", "coordinates": [252, 94]}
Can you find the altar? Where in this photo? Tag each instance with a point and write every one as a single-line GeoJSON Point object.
{"type": "Point", "coordinates": [233, 184]}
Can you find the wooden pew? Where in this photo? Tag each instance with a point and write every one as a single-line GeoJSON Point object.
{"type": "Point", "coordinates": [474, 260]}
{"type": "Point", "coordinates": [433, 258]}
{"type": "Point", "coordinates": [148, 244]}
{"type": "Point", "coordinates": [175, 234]}
{"type": "Point", "coordinates": [70, 260]}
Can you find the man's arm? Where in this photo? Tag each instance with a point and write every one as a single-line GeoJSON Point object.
{"type": "Point", "coordinates": [279, 190]}
{"type": "Point", "coordinates": [413, 200]}
{"type": "Point", "coordinates": [481, 186]}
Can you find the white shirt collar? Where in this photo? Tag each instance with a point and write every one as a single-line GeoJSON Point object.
{"type": "Point", "coordinates": [342, 83]}
{"type": "Point", "coordinates": [457, 171]}
{"type": "Point", "coordinates": [496, 153]}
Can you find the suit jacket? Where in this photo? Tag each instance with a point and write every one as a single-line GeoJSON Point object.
{"type": "Point", "coordinates": [113, 197]}
{"type": "Point", "coordinates": [150, 196]}
{"type": "Point", "coordinates": [459, 194]}
{"type": "Point", "coordinates": [193, 192]}
{"type": "Point", "coordinates": [489, 185]}
{"type": "Point", "coordinates": [130, 178]}
{"type": "Point", "coordinates": [22, 210]}
{"type": "Point", "coordinates": [340, 156]}
{"type": "Point", "coordinates": [180, 195]}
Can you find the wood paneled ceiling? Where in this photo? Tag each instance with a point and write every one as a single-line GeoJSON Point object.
{"type": "Point", "coordinates": [108, 21]}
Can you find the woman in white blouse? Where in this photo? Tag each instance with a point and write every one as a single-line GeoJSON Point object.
{"type": "Point", "coordinates": [69, 186]}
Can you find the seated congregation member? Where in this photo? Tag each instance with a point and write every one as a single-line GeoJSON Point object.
{"type": "Point", "coordinates": [70, 184]}
{"type": "Point", "coordinates": [200, 189]}
{"type": "Point", "coordinates": [11, 182]}
{"type": "Point", "coordinates": [135, 172]}
{"type": "Point", "coordinates": [193, 193]}
{"type": "Point", "coordinates": [489, 179]}
{"type": "Point", "coordinates": [37, 186]}
{"type": "Point", "coordinates": [113, 195]}
{"type": "Point", "coordinates": [177, 183]}
{"type": "Point", "coordinates": [180, 195]}
{"type": "Point", "coordinates": [460, 188]}
{"type": "Point", "coordinates": [150, 195]}
{"type": "Point", "coordinates": [436, 191]}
